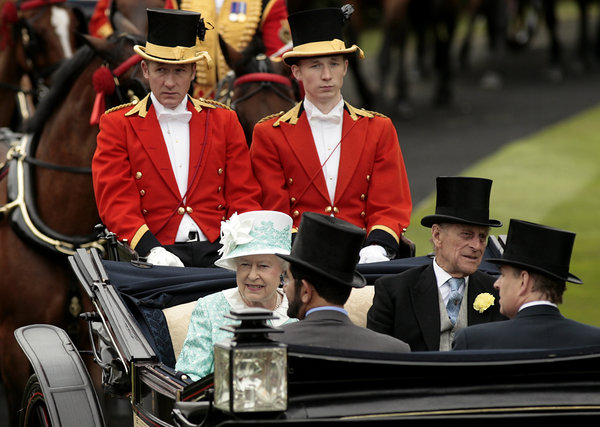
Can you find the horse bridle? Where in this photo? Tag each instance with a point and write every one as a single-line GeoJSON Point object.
{"type": "Point", "coordinates": [266, 80]}
{"type": "Point", "coordinates": [20, 154]}
{"type": "Point", "coordinates": [31, 43]}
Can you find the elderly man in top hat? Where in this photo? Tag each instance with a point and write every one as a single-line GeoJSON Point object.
{"type": "Point", "coordinates": [321, 276]}
{"type": "Point", "coordinates": [426, 305]}
{"type": "Point", "coordinates": [169, 168]}
{"type": "Point", "coordinates": [327, 156]}
{"type": "Point", "coordinates": [534, 268]}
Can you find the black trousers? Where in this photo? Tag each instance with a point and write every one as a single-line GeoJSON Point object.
{"type": "Point", "coordinates": [196, 254]}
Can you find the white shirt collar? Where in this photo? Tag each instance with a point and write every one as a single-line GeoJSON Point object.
{"type": "Point", "coordinates": [533, 303]}
{"type": "Point", "coordinates": [312, 110]}
{"type": "Point", "coordinates": [181, 108]}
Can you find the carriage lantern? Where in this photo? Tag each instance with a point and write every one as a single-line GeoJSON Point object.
{"type": "Point", "coordinates": [250, 368]}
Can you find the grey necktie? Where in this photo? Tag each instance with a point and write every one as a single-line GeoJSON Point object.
{"type": "Point", "coordinates": [455, 298]}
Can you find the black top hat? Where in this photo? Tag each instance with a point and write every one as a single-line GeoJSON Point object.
{"type": "Point", "coordinates": [540, 248]}
{"type": "Point", "coordinates": [328, 247]}
{"type": "Point", "coordinates": [462, 200]}
{"type": "Point", "coordinates": [172, 37]}
{"type": "Point", "coordinates": [318, 32]}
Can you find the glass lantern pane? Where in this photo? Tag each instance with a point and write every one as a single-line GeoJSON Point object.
{"type": "Point", "coordinates": [222, 378]}
{"type": "Point", "coordinates": [260, 379]}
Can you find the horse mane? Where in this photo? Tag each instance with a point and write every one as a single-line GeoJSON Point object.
{"type": "Point", "coordinates": [61, 83]}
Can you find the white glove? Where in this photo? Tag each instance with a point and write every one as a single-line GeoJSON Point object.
{"type": "Point", "coordinates": [160, 256]}
{"type": "Point", "coordinates": [373, 253]}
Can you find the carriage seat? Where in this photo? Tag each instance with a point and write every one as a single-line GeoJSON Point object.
{"type": "Point", "coordinates": [178, 317]}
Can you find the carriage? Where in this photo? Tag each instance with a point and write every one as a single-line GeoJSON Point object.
{"type": "Point", "coordinates": [259, 381]}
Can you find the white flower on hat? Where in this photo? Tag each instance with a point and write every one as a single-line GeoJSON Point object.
{"type": "Point", "coordinates": [235, 232]}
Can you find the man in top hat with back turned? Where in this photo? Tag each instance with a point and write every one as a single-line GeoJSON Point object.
{"type": "Point", "coordinates": [426, 305]}
{"type": "Point", "coordinates": [169, 168]}
{"type": "Point", "coordinates": [534, 268]}
{"type": "Point", "coordinates": [318, 283]}
{"type": "Point", "coordinates": [327, 156]}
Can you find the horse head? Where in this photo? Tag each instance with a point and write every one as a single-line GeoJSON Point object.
{"type": "Point", "coordinates": [262, 85]}
{"type": "Point", "coordinates": [129, 16]}
{"type": "Point", "coordinates": [35, 37]}
{"type": "Point", "coordinates": [65, 136]}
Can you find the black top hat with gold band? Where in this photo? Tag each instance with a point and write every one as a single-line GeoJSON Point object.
{"type": "Point", "coordinates": [328, 248]}
{"type": "Point", "coordinates": [318, 32]}
{"type": "Point", "coordinates": [462, 200]}
{"type": "Point", "coordinates": [539, 248]}
{"type": "Point", "coordinates": [172, 37]}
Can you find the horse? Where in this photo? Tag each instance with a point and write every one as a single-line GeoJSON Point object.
{"type": "Point", "coordinates": [35, 37]}
{"type": "Point", "coordinates": [129, 16]}
{"type": "Point", "coordinates": [258, 85]}
{"type": "Point", "coordinates": [50, 210]}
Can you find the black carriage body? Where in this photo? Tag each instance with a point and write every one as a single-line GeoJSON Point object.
{"type": "Point", "coordinates": [325, 386]}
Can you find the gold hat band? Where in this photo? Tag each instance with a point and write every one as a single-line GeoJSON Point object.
{"type": "Point", "coordinates": [326, 47]}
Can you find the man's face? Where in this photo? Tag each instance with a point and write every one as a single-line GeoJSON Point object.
{"type": "Point", "coordinates": [322, 77]}
{"type": "Point", "coordinates": [458, 247]}
{"type": "Point", "coordinates": [169, 82]}
{"type": "Point", "coordinates": [508, 285]}
{"type": "Point", "coordinates": [292, 288]}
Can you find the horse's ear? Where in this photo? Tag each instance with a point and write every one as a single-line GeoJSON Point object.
{"type": "Point", "coordinates": [232, 56]}
{"type": "Point", "coordinates": [93, 42]}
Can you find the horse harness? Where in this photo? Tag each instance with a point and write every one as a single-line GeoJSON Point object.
{"type": "Point", "coordinates": [21, 205]}
{"type": "Point", "coordinates": [12, 13]}
{"type": "Point", "coordinates": [266, 80]}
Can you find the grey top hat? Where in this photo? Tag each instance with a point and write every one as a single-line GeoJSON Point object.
{"type": "Point", "coordinates": [462, 200]}
{"type": "Point", "coordinates": [329, 248]}
{"type": "Point", "coordinates": [540, 248]}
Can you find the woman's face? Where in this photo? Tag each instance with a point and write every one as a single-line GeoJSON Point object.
{"type": "Point", "coordinates": [258, 277]}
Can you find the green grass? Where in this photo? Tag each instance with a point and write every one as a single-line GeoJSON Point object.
{"type": "Point", "coordinates": [553, 178]}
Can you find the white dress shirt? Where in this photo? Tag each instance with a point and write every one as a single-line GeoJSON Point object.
{"type": "Point", "coordinates": [327, 133]}
{"type": "Point", "coordinates": [175, 127]}
{"type": "Point", "coordinates": [442, 277]}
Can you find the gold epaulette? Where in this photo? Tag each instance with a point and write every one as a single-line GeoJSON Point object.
{"type": "Point", "coordinates": [375, 113]}
{"type": "Point", "coordinates": [290, 116]}
{"type": "Point", "coordinates": [118, 107]}
{"type": "Point", "coordinates": [211, 103]}
{"type": "Point", "coordinates": [270, 116]}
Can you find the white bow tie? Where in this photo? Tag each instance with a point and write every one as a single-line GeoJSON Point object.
{"type": "Point", "coordinates": [183, 117]}
{"type": "Point", "coordinates": [332, 117]}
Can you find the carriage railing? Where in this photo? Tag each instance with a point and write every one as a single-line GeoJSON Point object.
{"type": "Point", "coordinates": [121, 329]}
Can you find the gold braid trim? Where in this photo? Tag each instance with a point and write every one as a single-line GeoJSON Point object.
{"type": "Point", "coordinates": [387, 230]}
{"type": "Point", "coordinates": [119, 107]}
{"type": "Point", "coordinates": [141, 108]}
{"type": "Point", "coordinates": [138, 236]}
{"type": "Point", "coordinates": [291, 116]}
{"type": "Point", "coordinates": [212, 103]}
{"type": "Point", "coordinates": [270, 116]}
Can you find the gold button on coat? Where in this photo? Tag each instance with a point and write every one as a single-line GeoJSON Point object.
{"type": "Point", "coordinates": [295, 214]}
{"type": "Point", "coordinates": [363, 197]}
{"type": "Point", "coordinates": [291, 181]}
{"type": "Point", "coordinates": [219, 189]}
{"type": "Point", "coordinates": [138, 175]}
{"type": "Point", "coordinates": [328, 209]}
{"type": "Point", "coordinates": [189, 209]}
{"type": "Point", "coordinates": [363, 214]}
{"type": "Point", "coordinates": [293, 200]}
{"type": "Point", "coordinates": [336, 210]}
{"type": "Point", "coordinates": [220, 171]}
{"type": "Point", "coordinates": [142, 193]}
{"type": "Point", "coordinates": [181, 210]}
{"type": "Point", "coordinates": [368, 178]}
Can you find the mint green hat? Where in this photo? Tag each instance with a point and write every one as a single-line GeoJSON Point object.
{"type": "Point", "coordinates": [254, 233]}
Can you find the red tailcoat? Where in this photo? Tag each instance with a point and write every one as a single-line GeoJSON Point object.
{"type": "Point", "coordinates": [372, 190]}
{"type": "Point", "coordinates": [136, 191]}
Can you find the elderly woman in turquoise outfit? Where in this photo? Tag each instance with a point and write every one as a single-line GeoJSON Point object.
{"type": "Point", "coordinates": [250, 242]}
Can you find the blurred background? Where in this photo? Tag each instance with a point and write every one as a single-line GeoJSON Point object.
{"type": "Point", "coordinates": [524, 112]}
